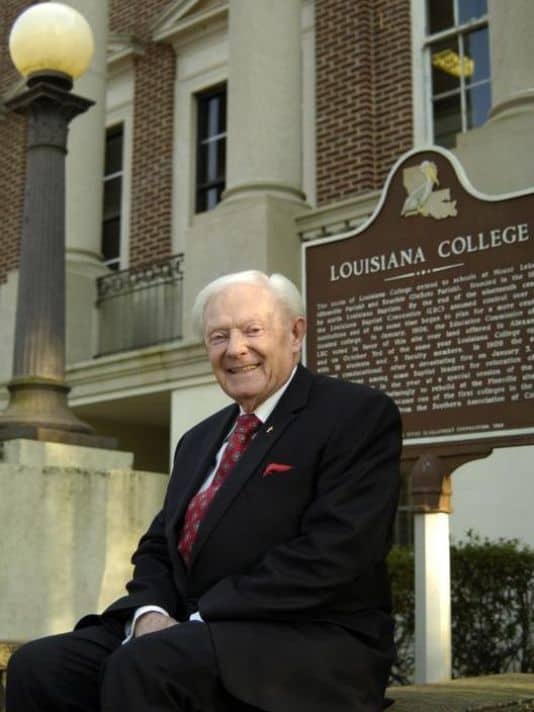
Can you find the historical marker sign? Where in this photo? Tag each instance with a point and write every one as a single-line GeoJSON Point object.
{"type": "Point", "coordinates": [432, 301]}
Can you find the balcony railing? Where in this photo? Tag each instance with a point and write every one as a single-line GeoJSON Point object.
{"type": "Point", "coordinates": [141, 306]}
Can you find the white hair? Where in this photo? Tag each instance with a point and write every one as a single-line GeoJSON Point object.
{"type": "Point", "coordinates": [280, 287]}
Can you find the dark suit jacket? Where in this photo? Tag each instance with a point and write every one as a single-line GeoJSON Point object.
{"type": "Point", "coordinates": [288, 567]}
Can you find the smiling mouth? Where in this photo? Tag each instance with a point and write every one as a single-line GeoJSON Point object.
{"type": "Point", "coordinates": [243, 369]}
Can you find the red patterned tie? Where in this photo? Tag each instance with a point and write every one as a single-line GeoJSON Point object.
{"type": "Point", "coordinates": [237, 443]}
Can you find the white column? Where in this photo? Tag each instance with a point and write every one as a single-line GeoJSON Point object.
{"type": "Point", "coordinates": [495, 156]}
{"type": "Point", "coordinates": [253, 227]}
{"type": "Point", "coordinates": [264, 105]}
{"type": "Point", "coordinates": [432, 598]}
{"type": "Point", "coordinates": [85, 160]}
{"type": "Point", "coordinates": [511, 52]}
{"type": "Point", "coordinates": [84, 187]}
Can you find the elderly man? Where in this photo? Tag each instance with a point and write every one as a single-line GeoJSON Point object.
{"type": "Point", "coordinates": [261, 584]}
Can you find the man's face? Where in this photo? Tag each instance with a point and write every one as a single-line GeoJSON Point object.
{"type": "Point", "coordinates": [252, 343]}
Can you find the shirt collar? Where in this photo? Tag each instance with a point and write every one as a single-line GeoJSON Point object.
{"type": "Point", "coordinates": [264, 410]}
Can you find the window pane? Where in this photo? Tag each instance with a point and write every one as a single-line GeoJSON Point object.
{"type": "Point", "coordinates": [471, 10]}
{"type": "Point", "coordinates": [211, 161]}
{"type": "Point", "coordinates": [447, 121]}
{"type": "Point", "coordinates": [440, 15]}
{"type": "Point", "coordinates": [202, 119]}
{"type": "Point", "coordinates": [222, 112]}
{"type": "Point", "coordinates": [111, 239]}
{"type": "Point", "coordinates": [221, 160]}
{"type": "Point", "coordinates": [460, 67]}
{"type": "Point", "coordinates": [478, 104]}
{"type": "Point", "coordinates": [112, 197]}
{"type": "Point", "coordinates": [211, 114]}
{"type": "Point", "coordinates": [202, 164]}
{"type": "Point", "coordinates": [211, 148]}
{"type": "Point", "coordinates": [446, 66]}
{"type": "Point", "coordinates": [212, 198]}
{"type": "Point", "coordinates": [476, 48]}
{"type": "Point", "coordinates": [114, 151]}
{"type": "Point", "coordinates": [213, 110]}
{"type": "Point", "coordinates": [216, 115]}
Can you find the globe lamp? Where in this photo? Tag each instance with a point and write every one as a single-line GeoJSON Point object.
{"type": "Point", "coordinates": [51, 39]}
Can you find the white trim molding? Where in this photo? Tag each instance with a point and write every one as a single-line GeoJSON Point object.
{"type": "Point", "coordinates": [186, 18]}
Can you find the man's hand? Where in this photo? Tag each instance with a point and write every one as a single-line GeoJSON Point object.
{"type": "Point", "coordinates": [152, 622]}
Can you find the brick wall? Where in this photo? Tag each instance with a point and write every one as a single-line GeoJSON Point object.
{"type": "Point", "coordinates": [12, 149]}
{"type": "Point", "coordinates": [363, 93]}
{"type": "Point", "coordinates": [393, 125]}
{"type": "Point", "coordinates": [150, 226]}
{"type": "Point", "coordinates": [150, 229]}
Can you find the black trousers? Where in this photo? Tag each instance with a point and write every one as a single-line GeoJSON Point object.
{"type": "Point", "coordinates": [88, 670]}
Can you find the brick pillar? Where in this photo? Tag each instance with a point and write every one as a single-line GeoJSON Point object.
{"type": "Point", "coordinates": [151, 205]}
{"type": "Point", "coordinates": [364, 93]}
{"type": "Point", "coordinates": [345, 160]}
{"type": "Point", "coordinates": [152, 154]}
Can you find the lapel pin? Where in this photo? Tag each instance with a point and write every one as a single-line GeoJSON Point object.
{"type": "Point", "coordinates": [269, 429]}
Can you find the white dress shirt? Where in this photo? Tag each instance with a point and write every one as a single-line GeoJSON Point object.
{"type": "Point", "coordinates": [262, 412]}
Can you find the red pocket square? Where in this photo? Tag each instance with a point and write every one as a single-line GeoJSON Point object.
{"type": "Point", "coordinates": [276, 467]}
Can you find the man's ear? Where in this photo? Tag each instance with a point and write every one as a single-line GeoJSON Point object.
{"type": "Point", "coordinates": [298, 331]}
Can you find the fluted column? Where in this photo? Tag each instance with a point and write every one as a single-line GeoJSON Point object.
{"type": "Point", "coordinates": [264, 106]}
{"type": "Point", "coordinates": [511, 55]}
{"type": "Point", "coordinates": [38, 394]}
{"type": "Point", "coordinates": [40, 325]}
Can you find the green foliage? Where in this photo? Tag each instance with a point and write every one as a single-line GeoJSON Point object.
{"type": "Point", "coordinates": [492, 601]}
{"type": "Point", "coordinates": [401, 571]}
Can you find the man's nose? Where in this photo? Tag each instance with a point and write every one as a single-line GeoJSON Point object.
{"type": "Point", "coordinates": [237, 342]}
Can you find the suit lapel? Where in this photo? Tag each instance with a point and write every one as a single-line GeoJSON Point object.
{"type": "Point", "coordinates": [293, 400]}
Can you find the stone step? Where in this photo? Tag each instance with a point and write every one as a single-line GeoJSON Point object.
{"type": "Point", "coordinates": [512, 692]}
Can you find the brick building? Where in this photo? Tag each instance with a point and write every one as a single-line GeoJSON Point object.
{"type": "Point", "coordinates": [225, 133]}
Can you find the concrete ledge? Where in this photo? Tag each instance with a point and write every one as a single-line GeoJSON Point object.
{"type": "Point", "coordinates": [513, 691]}
{"type": "Point", "coordinates": [7, 648]}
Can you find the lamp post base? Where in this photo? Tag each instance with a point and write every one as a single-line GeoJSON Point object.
{"type": "Point", "coordinates": [38, 410]}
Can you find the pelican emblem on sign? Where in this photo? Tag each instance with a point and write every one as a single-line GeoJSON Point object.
{"type": "Point", "coordinates": [419, 182]}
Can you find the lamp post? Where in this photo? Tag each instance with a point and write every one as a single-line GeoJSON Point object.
{"type": "Point", "coordinates": [50, 44]}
